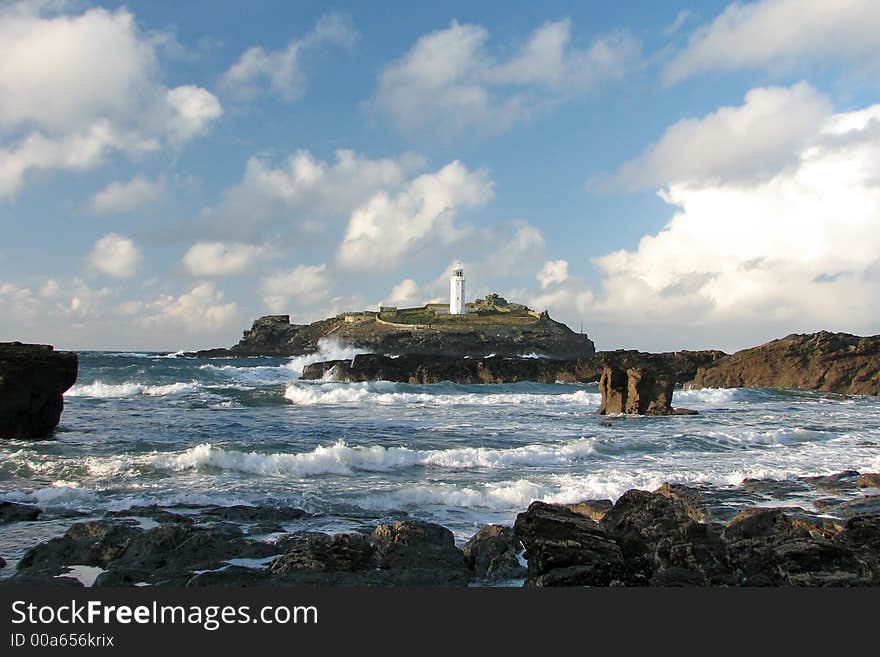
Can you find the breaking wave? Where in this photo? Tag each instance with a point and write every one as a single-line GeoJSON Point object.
{"type": "Point", "coordinates": [291, 370]}
{"type": "Point", "coordinates": [342, 459]}
{"type": "Point", "coordinates": [130, 389]}
{"type": "Point", "coordinates": [355, 393]}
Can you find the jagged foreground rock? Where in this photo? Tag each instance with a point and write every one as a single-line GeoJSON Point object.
{"type": "Point", "coordinates": [830, 362]}
{"type": "Point", "coordinates": [33, 379]}
{"type": "Point", "coordinates": [675, 536]}
{"type": "Point", "coordinates": [660, 539]}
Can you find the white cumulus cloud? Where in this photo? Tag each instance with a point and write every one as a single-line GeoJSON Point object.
{"type": "Point", "coordinates": [119, 197]}
{"type": "Point", "coordinates": [746, 142]}
{"type": "Point", "coordinates": [780, 34]}
{"type": "Point", "coordinates": [116, 256]}
{"type": "Point", "coordinates": [794, 249]}
{"type": "Point", "coordinates": [306, 284]}
{"type": "Point", "coordinates": [220, 259]}
{"type": "Point", "coordinates": [193, 110]}
{"type": "Point", "coordinates": [76, 87]}
{"type": "Point", "coordinates": [449, 81]}
{"type": "Point", "coordinates": [387, 228]}
{"type": "Point", "coordinates": [281, 71]}
{"type": "Point", "coordinates": [552, 273]}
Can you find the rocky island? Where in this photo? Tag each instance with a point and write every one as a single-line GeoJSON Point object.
{"type": "Point", "coordinates": [491, 326]}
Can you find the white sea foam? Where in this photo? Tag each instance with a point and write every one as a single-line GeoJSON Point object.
{"type": "Point", "coordinates": [328, 349]}
{"type": "Point", "coordinates": [130, 389]}
{"type": "Point", "coordinates": [708, 396]}
{"type": "Point", "coordinates": [343, 459]}
{"type": "Point", "coordinates": [352, 393]}
{"type": "Point", "coordinates": [61, 493]}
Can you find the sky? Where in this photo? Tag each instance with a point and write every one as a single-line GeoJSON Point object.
{"type": "Point", "coordinates": [666, 175]}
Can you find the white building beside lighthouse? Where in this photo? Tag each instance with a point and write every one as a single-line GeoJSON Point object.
{"type": "Point", "coordinates": [456, 291]}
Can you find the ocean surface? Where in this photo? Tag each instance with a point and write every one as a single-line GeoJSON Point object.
{"type": "Point", "coordinates": [145, 428]}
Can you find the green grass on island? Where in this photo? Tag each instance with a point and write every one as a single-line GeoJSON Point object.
{"type": "Point", "coordinates": [493, 310]}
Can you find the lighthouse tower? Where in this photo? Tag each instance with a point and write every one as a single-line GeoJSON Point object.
{"type": "Point", "coordinates": [456, 291]}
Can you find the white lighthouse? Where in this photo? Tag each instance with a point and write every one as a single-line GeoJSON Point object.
{"type": "Point", "coordinates": [456, 291]}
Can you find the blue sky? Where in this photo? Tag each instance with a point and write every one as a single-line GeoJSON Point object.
{"type": "Point", "coordinates": [673, 175]}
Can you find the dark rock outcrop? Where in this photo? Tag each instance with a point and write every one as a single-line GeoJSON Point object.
{"type": "Point", "coordinates": [830, 362]}
{"type": "Point", "coordinates": [492, 552]}
{"type": "Point", "coordinates": [414, 368]}
{"type": "Point", "coordinates": [163, 555]}
{"type": "Point", "coordinates": [636, 391]}
{"type": "Point", "coordinates": [12, 512]}
{"type": "Point", "coordinates": [595, 510]}
{"type": "Point", "coordinates": [316, 552]}
{"type": "Point", "coordinates": [564, 548]}
{"type": "Point", "coordinates": [663, 539]}
{"type": "Point", "coordinates": [423, 551]}
{"type": "Point", "coordinates": [33, 379]}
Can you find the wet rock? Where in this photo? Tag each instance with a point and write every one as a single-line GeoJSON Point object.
{"type": "Point", "coordinates": [41, 580]}
{"type": "Point", "coordinates": [595, 510]}
{"type": "Point", "coordinates": [424, 551]}
{"type": "Point", "coordinates": [118, 578]}
{"type": "Point", "coordinates": [861, 532]}
{"type": "Point", "coordinates": [639, 520]}
{"type": "Point", "coordinates": [694, 499]}
{"type": "Point", "coordinates": [94, 543]}
{"type": "Point", "coordinates": [869, 480]}
{"type": "Point", "coordinates": [319, 552]}
{"type": "Point", "coordinates": [708, 502]}
{"type": "Point", "coordinates": [868, 504]}
{"type": "Point", "coordinates": [764, 523]}
{"type": "Point", "coordinates": [774, 488]}
{"type": "Point", "coordinates": [767, 547]}
{"type": "Point", "coordinates": [153, 512]}
{"type": "Point", "coordinates": [184, 548]}
{"type": "Point", "coordinates": [244, 513]}
{"type": "Point", "coordinates": [33, 379]}
{"type": "Point", "coordinates": [492, 552]}
{"type": "Point", "coordinates": [12, 512]}
{"type": "Point", "coordinates": [233, 576]}
{"type": "Point", "coordinates": [841, 481]}
{"type": "Point", "coordinates": [265, 528]}
{"type": "Point", "coordinates": [564, 548]}
{"type": "Point", "coordinates": [166, 554]}
{"type": "Point", "coordinates": [828, 503]}
{"type": "Point", "coordinates": [2, 562]}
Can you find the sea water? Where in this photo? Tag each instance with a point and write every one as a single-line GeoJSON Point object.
{"type": "Point", "coordinates": [148, 428]}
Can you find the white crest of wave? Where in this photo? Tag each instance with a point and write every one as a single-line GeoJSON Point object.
{"type": "Point", "coordinates": [130, 389]}
{"type": "Point", "coordinates": [328, 349]}
{"type": "Point", "coordinates": [343, 459]}
{"type": "Point", "coordinates": [353, 393]}
{"type": "Point", "coordinates": [714, 396]}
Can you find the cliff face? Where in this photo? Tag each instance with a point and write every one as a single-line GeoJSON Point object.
{"type": "Point", "coordinates": [33, 379]}
{"type": "Point", "coordinates": [274, 335]}
{"type": "Point", "coordinates": [830, 362]}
